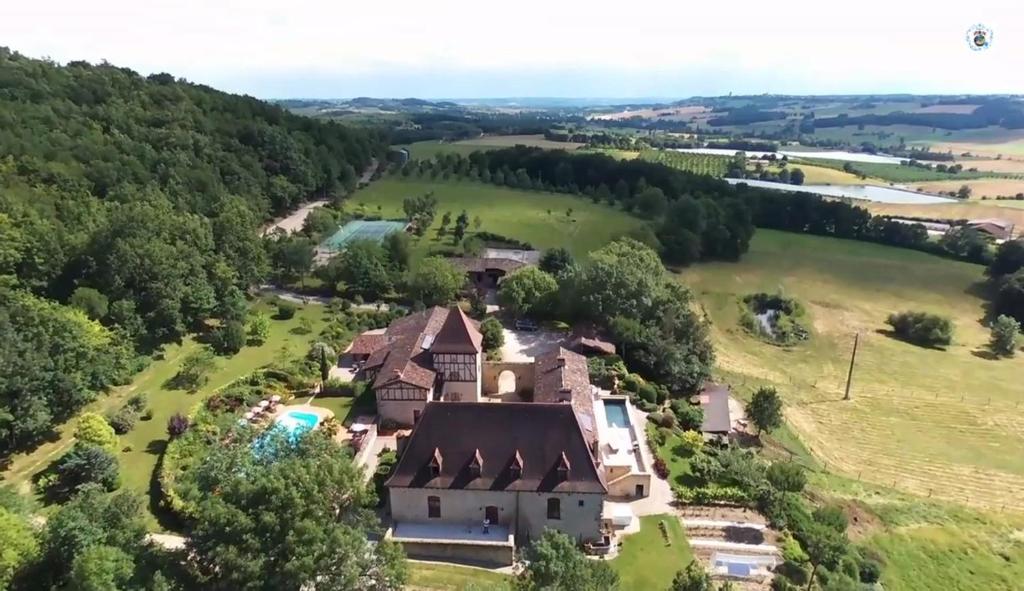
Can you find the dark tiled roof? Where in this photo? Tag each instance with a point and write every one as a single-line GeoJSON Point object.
{"type": "Point", "coordinates": [458, 334]}
{"type": "Point", "coordinates": [562, 376]}
{"type": "Point", "coordinates": [592, 344]}
{"type": "Point", "coordinates": [714, 399]}
{"type": "Point", "coordinates": [496, 433]}
{"type": "Point", "coordinates": [404, 359]}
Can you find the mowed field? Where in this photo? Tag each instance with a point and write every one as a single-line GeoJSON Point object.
{"type": "Point", "coordinates": [946, 424]}
{"type": "Point", "coordinates": [535, 217]}
{"type": "Point", "coordinates": [974, 209]}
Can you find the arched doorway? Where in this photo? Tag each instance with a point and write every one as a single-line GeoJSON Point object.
{"type": "Point", "coordinates": [506, 382]}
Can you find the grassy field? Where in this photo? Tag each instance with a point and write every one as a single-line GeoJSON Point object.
{"type": "Point", "coordinates": [899, 173]}
{"type": "Point", "coordinates": [428, 148]}
{"type": "Point", "coordinates": [945, 424]}
{"type": "Point", "coordinates": [538, 218]}
{"type": "Point", "coordinates": [431, 576]}
{"type": "Point", "coordinates": [646, 561]}
{"type": "Point", "coordinates": [823, 175]}
{"type": "Point", "coordinates": [148, 438]}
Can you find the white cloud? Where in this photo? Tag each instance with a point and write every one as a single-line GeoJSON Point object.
{"type": "Point", "coordinates": [621, 48]}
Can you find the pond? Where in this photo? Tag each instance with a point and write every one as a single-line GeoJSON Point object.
{"type": "Point", "coordinates": [864, 192]}
{"type": "Point", "coordinates": [823, 155]}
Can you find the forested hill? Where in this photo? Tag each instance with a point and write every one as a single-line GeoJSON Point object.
{"type": "Point", "coordinates": [139, 199]}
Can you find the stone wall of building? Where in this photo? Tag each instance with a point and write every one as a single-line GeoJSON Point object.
{"type": "Point", "coordinates": [523, 371]}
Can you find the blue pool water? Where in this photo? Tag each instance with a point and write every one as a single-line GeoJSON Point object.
{"type": "Point", "coordinates": [296, 423]}
{"type": "Point", "coordinates": [615, 412]}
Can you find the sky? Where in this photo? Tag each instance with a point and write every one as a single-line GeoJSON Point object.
{"type": "Point", "coordinates": [536, 48]}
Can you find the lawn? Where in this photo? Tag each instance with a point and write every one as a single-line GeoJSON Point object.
{"type": "Point", "coordinates": [646, 561]}
{"type": "Point", "coordinates": [147, 440]}
{"type": "Point", "coordinates": [535, 217]}
{"type": "Point", "coordinates": [925, 421]}
{"type": "Point", "coordinates": [430, 576]}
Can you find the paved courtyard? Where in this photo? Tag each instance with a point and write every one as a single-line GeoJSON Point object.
{"type": "Point", "coordinates": [523, 345]}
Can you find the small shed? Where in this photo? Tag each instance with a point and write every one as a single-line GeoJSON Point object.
{"type": "Point", "coordinates": [714, 400]}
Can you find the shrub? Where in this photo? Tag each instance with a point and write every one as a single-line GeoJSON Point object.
{"type": "Point", "coordinates": [177, 425]}
{"type": "Point", "coordinates": [922, 328]}
{"type": "Point", "coordinates": [645, 406]}
{"type": "Point", "coordinates": [285, 310]}
{"type": "Point", "coordinates": [147, 414]}
{"type": "Point", "coordinates": [648, 393]}
{"type": "Point", "coordinates": [1005, 332]}
{"type": "Point", "coordinates": [660, 468]}
{"type": "Point", "coordinates": [122, 421]}
{"type": "Point", "coordinates": [714, 494]}
{"type": "Point", "coordinates": [631, 382]}
{"type": "Point", "coordinates": [94, 429]}
{"type": "Point", "coordinates": [692, 442]}
{"type": "Point", "coordinates": [705, 467]}
{"type": "Point", "coordinates": [870, 571]}
{"type": "Point", "coordinates": [230, 338]}
{"type": "Point", "coordinates": [689, 416]}
{"type": "Point", "coordinates": [655, 434]}
{"type": "Point", "coordinates": [663, 434]}
{"type": "Point", "coordinates": [668, 420]}
{"type": "Point", "coordinates": [137, 403]}
{"type": "Point", "coordinates": [493, 334]}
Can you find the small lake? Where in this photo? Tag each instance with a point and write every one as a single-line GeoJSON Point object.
{"type": "Point", "coordinates": [826, 155]}
{"type": "Point", "coordinates": [865, 192]}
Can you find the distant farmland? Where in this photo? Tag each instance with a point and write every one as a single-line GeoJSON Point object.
{"type": "Point", "coordinates": [690, 162]}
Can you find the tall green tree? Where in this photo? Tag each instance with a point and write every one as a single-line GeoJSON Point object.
{"type": "Point", "coordinates": [435, 281]}
{"type": "Point", "coordinates": [692, 578]}
{"type": "Point", "coordinates": [557, 564]}
{"type": "Point", "coordinates": [528, 292]}
{"type": "Point", "coordinates": [765, 409]}
{"type": "Point", "coordinates": [254, 534]}
{"type": "Point", "coordinates": [1005, 335]}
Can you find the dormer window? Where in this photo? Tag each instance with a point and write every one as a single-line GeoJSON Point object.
{"type": "Point", "coordinates": [476, 464]}
{"type": "Point", "coordinates": [435, 464]}
{"type": "Point", "coordinates": [516, 469]}
{"type": "Point", "coordinates": [563, 468]}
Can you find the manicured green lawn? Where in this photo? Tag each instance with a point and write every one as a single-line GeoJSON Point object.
{"type": "Point", "coordinates": [678, 462]}
{"type": "Point", "coordinates": [431, 576]}
{"type": "Point", "coordinates": [534, 217]}
{"type": "Point", "coordinates": [147, 440]}
{"type": "Point", "coordinates": [646, 561]}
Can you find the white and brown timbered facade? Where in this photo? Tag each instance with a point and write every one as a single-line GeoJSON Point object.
{"type": "Point", "coordinates": [457, 367]}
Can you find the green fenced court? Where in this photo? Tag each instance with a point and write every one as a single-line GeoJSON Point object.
{"type": "Point", "coordinates": [361, 230]}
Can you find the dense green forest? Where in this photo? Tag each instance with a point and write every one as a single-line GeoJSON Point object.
{"type": "Point", "coordinates": [130, 209]}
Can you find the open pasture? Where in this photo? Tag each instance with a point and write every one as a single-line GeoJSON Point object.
{"type": "Point", "coordinates": [945, 424]}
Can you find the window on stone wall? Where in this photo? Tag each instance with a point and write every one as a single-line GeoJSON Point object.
{"type": "Point", "coordinates": [554, 508]}
{"type": "Point", "coordinates": [434, 507]}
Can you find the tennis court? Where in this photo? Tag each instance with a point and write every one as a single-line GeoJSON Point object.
{"type": "Point", "coordinates": [360, 230]}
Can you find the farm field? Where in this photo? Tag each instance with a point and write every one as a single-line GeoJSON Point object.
{"type": "Point", "coordinates": [429, 148]}
{"type": "Point", "coordinates": [1015, 166]}
{"type": "Point", "coordinates": [945, 424]}
{"type": "Point", "coordinates": [148, 438]}
{"type": "Point", "coordinates": [979, 187]}
{"type": "Point", "coordinates": [899, 173]}
{"type": "Point", "coordinates": [537, 218]}
{"type": "Point", "coordinates": [823, 175]}
{"type": "Point", "coordinates": [689, 162]}
{"type": "Point", "coordinates": [974, 209]}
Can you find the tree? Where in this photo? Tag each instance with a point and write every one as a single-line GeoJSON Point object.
{"type": "Point", "coordinates": [19, 544]}
{"type": "Point", "coordinates": [435, 281]}
{"type": "Point", "coordinates": [1009, 298]}
{"type": "Point", "coordinates": [796, 176]}
{"type": "Point", "coordinates": [690, 417]}
{"type": "Point", "coordinates": [557, 564]}
{"type": "Point", "coordinates": [101, 568]}
{"type": "Point", "coordinates": [230, 338]}
{"type": "Point", "coordinates": [964, 192]}
{"type": "Point", "coordinates": [493, 334]}
{"type": "Point", "coordinates": [692, 578]}
{"type": "Point", "coordinates": [528, 292]}
{"type": "Point", "coordinates": [94, 429]}
{"type": "Point", "coordinates": [1005, 333]}
{"type": "Point", "coordinates": [477, 222]}
{"type": "Point", "coordinates": [621, 191]}
{"type": "Point", "coordinates": [363, 267]}
{"type": "Point", "coordinates": [194, 369]}
{"type": "Point", "coordinates": [824, 546]}
{"type": "Point", "coordinates": [90, 301]}
{"type": "Point", "coordinates": [651, 203]}
{"type": "Point", "coordinates": [291, 256]}
{"type": "Point", "coordinates": [765, 409]}
{"type": "Point", "coordinates": [680, 232]}
{"type": "Point", "coordinates": [1009, 259]}
{"type": "Point", "coordinates": [420, 211]}
{"type": "Point", "coordinates": [325, 365]}
{"type": "Point", "coordinates": [556, 260]}
{"type": "Point", "coordinates": [787, 476]}
{"type": "Point", "coordinates": [445, 220]}
{"type": "Point", "coordinates": [251, 534]}
{"type": "Point", "coordinates": [461, 224]}
{"type": "Point", "coordinates": [399, 248]}
{"type": "Point", "coordinates": [922, 328]}
{"type": "Point", "coordinates": [259, 328]}
{"type": "Point", "coordinates": [84, 465]}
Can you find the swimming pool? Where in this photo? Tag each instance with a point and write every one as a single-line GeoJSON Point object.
{"type": "Point", "coordinates": [615, 412]}
{"type": "Point", "coordinates": [296, 423]}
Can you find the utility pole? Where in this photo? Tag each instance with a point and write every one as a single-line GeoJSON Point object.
{"type": "Point", "coordinates": [853, 357]}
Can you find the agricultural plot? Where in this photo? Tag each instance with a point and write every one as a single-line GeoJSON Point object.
{"type": "Point", "coordinates": [689, 162]}
{"type": "Point", "coordinates": [899, 173]}
{"type": "Point", "coordinates": [945, 424]}
{"type": "Point", "coordinates": [979, 187]}
{"type": "Point", "coordinates": [429, 148]}
{"type": "Point", "coordinates": [974, 209]}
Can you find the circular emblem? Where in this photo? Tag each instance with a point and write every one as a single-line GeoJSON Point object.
{"type": "Point", "coordinates": [979, 37]}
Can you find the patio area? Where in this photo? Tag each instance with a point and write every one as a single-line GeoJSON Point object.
{"type": "Point", "coordinates": [447, 532]}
